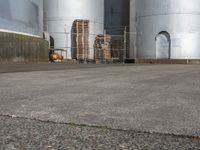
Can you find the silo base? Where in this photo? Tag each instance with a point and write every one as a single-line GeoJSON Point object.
{"type": "Point", "coordinates": [168, 61]}
{"type": "Point", "coordinates": [17, 48]}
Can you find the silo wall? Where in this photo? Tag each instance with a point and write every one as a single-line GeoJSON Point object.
{"type": "Point", "coordinates": [22, 16]}
{"type": "Point", "coordinates": [21, 31]}
{"type": "Point", "coordinates": [116, 16]}
{"type": "Point", "coordinates": [167, 29]}
{"type": "Point", "coordinates": [60, 15]}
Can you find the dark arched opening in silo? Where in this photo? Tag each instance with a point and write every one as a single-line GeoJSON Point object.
{"type": "Point", "coordinates": [163, 45]}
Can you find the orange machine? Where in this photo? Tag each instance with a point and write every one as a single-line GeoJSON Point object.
{"type": "Point", "coordinates": [55, 55]}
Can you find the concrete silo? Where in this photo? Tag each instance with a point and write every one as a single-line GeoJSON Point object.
{"type": "Point", "coordinates": [22, 16]}
{"type": "Point", "coordinates": [60, 15]}
{"type": "Point", "coordinates": [21, 31]}
{"type": "Point", "coordinates": [116, 16]}
{"type": "Point", "coordinates": [166, 29]}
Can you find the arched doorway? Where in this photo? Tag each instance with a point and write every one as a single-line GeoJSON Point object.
{"type": "Point", "coordinates": [163, 43]}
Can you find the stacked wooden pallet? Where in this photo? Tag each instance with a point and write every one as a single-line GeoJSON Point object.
{"type": "Point", "coordinates": [81, 39]}
{"type": "Point", "coordinates": [102, 48]}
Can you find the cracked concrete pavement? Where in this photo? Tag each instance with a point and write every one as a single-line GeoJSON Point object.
{"type": "Point", "coordinates": [152, 98]}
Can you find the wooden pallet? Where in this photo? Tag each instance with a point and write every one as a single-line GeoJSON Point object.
{"type": "Point", "coordinates": [102, 47]}
{"type": "Point", "coordinates": [81, 39]}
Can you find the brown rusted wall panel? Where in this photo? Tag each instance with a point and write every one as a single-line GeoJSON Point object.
{"type": "Point", "coordinates": [15, 48]}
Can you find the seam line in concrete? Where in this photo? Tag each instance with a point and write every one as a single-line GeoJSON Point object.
{"type": "Point", "coordinates": [101, 127]}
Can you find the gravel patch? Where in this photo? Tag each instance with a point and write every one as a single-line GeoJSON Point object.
{"type": "Point", "coordinates": [25, 134]}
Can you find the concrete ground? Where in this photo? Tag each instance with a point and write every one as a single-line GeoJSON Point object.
{"type": "Point", "coordinates": [149, 98]}
{"type": "Point", "coordinates": [27, 134]}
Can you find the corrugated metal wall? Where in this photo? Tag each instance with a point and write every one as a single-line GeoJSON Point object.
{"type": "Point", "coordinates": [20, 48]}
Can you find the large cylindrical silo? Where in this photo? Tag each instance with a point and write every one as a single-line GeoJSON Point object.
{"type": "Point", "coordinates": [22, 16]}
{"type": "Point", "coordinates": [21, 31]}
{"type": "Point", "coordinates": [166, 29]}
{"type": "Point", "coordinates": [116, 16]}
{"type": "Point", "coordinates": [61, 14]}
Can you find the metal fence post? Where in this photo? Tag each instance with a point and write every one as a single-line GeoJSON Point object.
{"type": "Point", "coordinates": [135, 44]}
{"type": "Point", "coordinates": [104, 45]}
{"type": "Point", "coordinates": [65, 30]}
{"type": "Point", "coordinates": [125, 43]}
{"type": "Point", "coordinates": [83, 41]}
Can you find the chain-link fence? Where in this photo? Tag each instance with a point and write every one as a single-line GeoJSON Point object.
{"type": "Point", "coordinates": [84, 46]}
{"type": "Point", "coordinates": [126, 47]}
{"type": "Point", "coordinates": [115, 48]}
{"type": "Point", "coordinates": [100, 48]}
